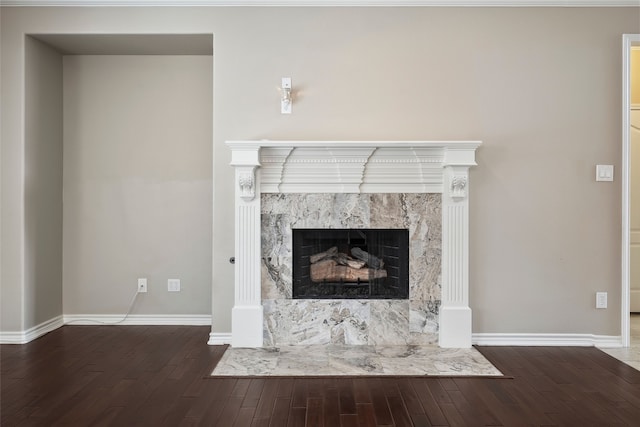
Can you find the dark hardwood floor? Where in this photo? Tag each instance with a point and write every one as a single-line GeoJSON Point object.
{"type": "Point", "coordinates": [157, 376]}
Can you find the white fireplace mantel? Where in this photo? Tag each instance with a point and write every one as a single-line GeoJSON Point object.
{"type": "Point", "coordinates": [353, 167]}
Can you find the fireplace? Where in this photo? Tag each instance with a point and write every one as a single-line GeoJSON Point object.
{"type": "Point", "coordinates": [350, 263]}
{"type": "Point", "coordinates": [285, 185]}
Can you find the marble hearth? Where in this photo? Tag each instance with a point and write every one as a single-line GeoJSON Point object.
{"type": "Point", "coordinates": [421, 186]}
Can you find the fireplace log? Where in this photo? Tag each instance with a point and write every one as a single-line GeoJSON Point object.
{"type": "Point", "coordinates": [344, 259]}
{"type": "Point", "coordinates": [329, 270]}
{"type": "Point", "coordinates": [372, 260]}
{"type": "Point", "coordinates": [322, 255]}
{"type": "Point", "coordinates": [339, 257]}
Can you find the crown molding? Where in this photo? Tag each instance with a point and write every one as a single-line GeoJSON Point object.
{"type": "Point", "coordinates": [327, 3]}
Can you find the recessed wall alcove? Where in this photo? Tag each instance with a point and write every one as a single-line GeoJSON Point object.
{"type": "Point", "coordinates": [284, 185]}
{"type": "Point", "coordinates": [104, 133]}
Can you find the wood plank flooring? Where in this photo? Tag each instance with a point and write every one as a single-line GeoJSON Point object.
{"type": "Point", "coordinates": [158, 376]}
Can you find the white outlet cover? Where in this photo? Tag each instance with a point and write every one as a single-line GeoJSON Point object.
{"type": "Point", "coordinates": [142, 285]}
{"type": "Point", "coordinates": [173, 285]}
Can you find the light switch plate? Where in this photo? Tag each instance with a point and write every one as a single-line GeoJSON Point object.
{"type": "Point", "coordinates": [601, 300]}
{"type": "Point", "coordinates": [604, 172]}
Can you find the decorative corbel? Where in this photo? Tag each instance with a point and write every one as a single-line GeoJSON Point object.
{"type": "Point", "coordinates": [459, 187]}
{"type": "Point", "coordinates": [247, 184]}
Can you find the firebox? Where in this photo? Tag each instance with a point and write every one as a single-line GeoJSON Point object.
{"type": "Point", "coordinates": [351, 263]}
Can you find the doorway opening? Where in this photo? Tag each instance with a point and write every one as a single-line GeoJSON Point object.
{"type": "Point", "coordinates": [630, 244]}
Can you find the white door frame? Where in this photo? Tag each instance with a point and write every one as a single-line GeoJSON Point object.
{"type": "Point", "coordinates": [628, 40]}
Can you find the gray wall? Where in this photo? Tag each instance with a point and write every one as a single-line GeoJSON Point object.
{"type": "Point", "coordinates": [540, 86]}
{"type": "Point", "coordinates": [42, 184]}
{"type": "Point", "coordinates": [137, 183]}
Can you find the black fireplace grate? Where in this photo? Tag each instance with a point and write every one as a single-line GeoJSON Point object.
{"type": "Point", "coordinates": [332, 278]}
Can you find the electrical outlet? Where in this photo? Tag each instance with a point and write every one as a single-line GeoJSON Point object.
{"type": "Point", "coordinates": [173, 285]}
{"type": "Point", "coordinates": [601, 300]}
{"type": "Point", "coordinates": [142, 285]}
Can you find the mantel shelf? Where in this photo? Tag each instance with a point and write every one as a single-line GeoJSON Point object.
{"type": "Point", "coordinates": [352, 166]}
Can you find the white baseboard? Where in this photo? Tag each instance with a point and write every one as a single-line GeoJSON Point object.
{"type": "Point", "coordinates": [104, 319]}
{"type": "Point", "coordinates": [31, 333]}
{"type": "Point", "coordinates": [138, 319]}
{"type": "Point", "coordinates": [219, 338]}
{"type": "Point", "coordinates": [574, 340]}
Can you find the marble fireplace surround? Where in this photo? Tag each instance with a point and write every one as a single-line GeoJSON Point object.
{"type": "Point", "coordinates": [352, 167]}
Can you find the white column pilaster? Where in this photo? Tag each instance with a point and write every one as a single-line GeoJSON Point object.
{"type": "Point", "coordinates": [455, 313]}
{"type": "Point", "coordinates": [246, 315]}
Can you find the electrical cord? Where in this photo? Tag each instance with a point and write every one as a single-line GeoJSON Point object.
{"type": "Point", "coordinates": [133, 301]}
